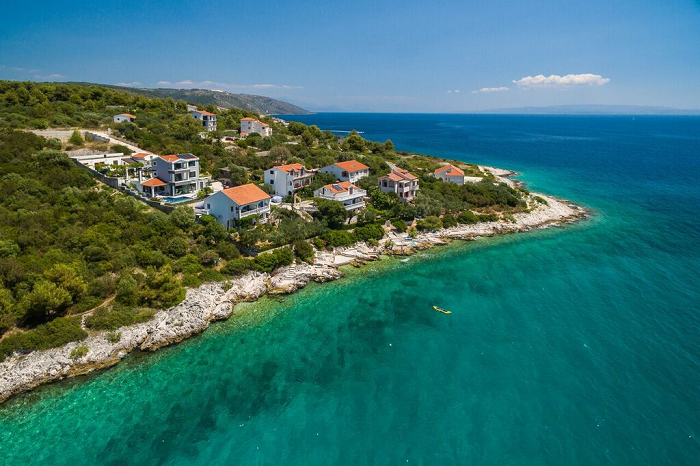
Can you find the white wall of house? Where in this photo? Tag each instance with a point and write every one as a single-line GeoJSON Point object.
{"type": "Point", "coordinates": [285, 183]}
{"type": "Point", "coordinates": [92, 160]}
{"type": "Point", "coordinates": [121, 118]}
{"type": "Point", "coordinates": [255, 126]}
{"type": "Point", "coordinates": [450, 179]}
{"type": "Point", "coordinates": [182, 175]}
{"type": "Point", "coordinates": [344, 175]}
{"type": "Point", "coordinates": [405, 189]}
{"type": "Point", "coordinates": [227, 212]}
{"type": "Point", "coordinates": [350, 200]}
{"type": "Point", "coordinates": [208, 121]}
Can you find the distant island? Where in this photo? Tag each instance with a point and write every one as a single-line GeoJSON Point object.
{"type": "Point", "coordinates": [593, 110]}
{"type": "Point", "coordinates": [249, 102]}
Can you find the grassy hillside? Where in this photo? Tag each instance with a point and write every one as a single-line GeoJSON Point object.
{"type": "Point", "coordinates": [252, 103]}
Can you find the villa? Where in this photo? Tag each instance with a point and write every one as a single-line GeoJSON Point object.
{"type": "Point", "coordinates": [173, 175]}
{"type": "Point", "coordinates": [285, 179]}
{"type": "Point", "coordinates": [344, 192]}
{"type": "Point", "coordinates": [124, 117]}
{"type": "Point", "coordinates": [449, 174]}
{"type": "Point", "coordinates": [208, 119]}
{"type": "Point", "coordinates": [230, 205]}
{"type": "Point", "coordinates": [401, 182]}
{"type": "Point", "coordinates": [251, 125]}
{"type": "Point", "coordinates": [351, 171]}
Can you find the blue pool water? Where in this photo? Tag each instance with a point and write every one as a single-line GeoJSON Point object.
{"type": "Point", "coordinates": [578, 345]}
{"type": "Point", "coordinates": [175, 200]}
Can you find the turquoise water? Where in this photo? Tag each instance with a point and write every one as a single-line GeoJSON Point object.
{"type": "Point", "coordinates": [575, 345]}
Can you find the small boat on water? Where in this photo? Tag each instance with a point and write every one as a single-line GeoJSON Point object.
{"type": "Point", "coordinates": [442, 310]}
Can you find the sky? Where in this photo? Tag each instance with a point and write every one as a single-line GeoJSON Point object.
{"type": "Point", "coordinates": [374, 56]}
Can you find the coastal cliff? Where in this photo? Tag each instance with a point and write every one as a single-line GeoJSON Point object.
{"type": "Point", "coordinates": [215, 301]}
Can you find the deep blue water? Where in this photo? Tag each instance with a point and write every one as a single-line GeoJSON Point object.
{"type": "Point", "coordinates": [575, 345]}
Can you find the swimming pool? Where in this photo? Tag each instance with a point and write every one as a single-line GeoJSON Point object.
{"type": "Point", "coordinates": [175, 200]}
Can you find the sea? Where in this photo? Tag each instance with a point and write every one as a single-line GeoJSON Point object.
{"type": "Point", "coordinates": [571, 345]}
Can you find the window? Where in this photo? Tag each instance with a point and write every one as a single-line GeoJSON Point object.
{"type": "Point", "coordinates": [193, 174]}
{"type": "Point", "coordinates": [208, 206]}
{"type": "Point", "coordinates": [154, 163]}
{"type": "Point", "coordinates": [231, 208]}
{"type": "Point", "coordinates": [155, 174]}
{"type": "Point", "coordinates": [272, 172]}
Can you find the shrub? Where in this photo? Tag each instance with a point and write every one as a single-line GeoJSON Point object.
{"type": "Point", "coordinates": [210, 275]}
{"type": "Point", "coordinates": [337, 238]}
{"type": "Point", "coordinates": [429, 223]}
{"type": "Point", "coordinates": [79, 352]}
{"type": "Point", "coordinates": [237, 266]}
{"type": "Point", "coordinates": [270, 261]}
{"type": "Point", "coordinates": [488, 217]}
{"type": "Point", "coordinates": [114, 337]}
{"type": "Point", "coordinates": [449, 221]}
{"type": "Point", "coordinates": [56, 333]}
{"type": "Point", "coordinates": [541, 200]}
{"type": "Point", "coordinates": [399, 224]}
{"type": "Point", "coordinates": [127, 290]}
{"type": "Point", "coordinates": [209, 257]}
{"type": "Point", "coordinates": [76, 139]}
{"type": "Point", "coordinates": [304, 251]}
{"type": "Point", "coordinates": [468, 217]}
{"type": "Point", "coordinates": [116, 316]}
{"type": "Point", "coordinates": [228, 250]}
{"type": "Point", "coordinates": [367, 232]}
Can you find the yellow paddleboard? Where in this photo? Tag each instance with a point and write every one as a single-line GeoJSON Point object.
{"type": "Point", "coordinates": [442, 310]}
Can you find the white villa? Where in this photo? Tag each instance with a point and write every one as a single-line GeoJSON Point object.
{"type": "Point", "coordinates": [449, 174]}
{"type": "Point", "coordinates": [122, 117]}
{"type": "Point", "coordinates": [173, 175]}
{"type": "Point", "coordinates": [401, 182]}
{"type": "Point", "coordinates": [285, 179]}
{"type": "Point", "coordinates": [345, 192]}
{"type": "Point", "coordinates": [351, 171]}
{"type": "Point", "coordinates": [208, 119]}
{"type": "Point", "coordinates": [233, 204]}
{"type": "Point", "coordinates": [251, 125]}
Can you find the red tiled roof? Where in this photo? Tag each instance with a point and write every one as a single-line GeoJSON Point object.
{"type": "Point", "coordinates": [352, 166]}
{"type": "Point", "coordinates": [133, 117]}
{"type": "Point", "coordinates": [343, 186]}
{"type": "Point", "coordinates": [291, 166]}
{"type": "Point", "coordinates": [400, 175]}
{"type": "Point", "coordinates": [245, 194]}
{"type": "Point", "coordinates": [154, 182]}
{"type": "Point", "coordinates": [176, 157]}
{"type": "Point", "coordinates": [449, 170]}
{"type": "Point", "coordinates": [170, 158]}
{"type": "Point", "coordinates": [248, 119]}
{"type": "Point", "coordinates": [140, 155]}
{"type": "Point", "coordinates": [205, 113]}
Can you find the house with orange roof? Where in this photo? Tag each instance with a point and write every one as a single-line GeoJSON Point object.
{"type": "Point", "coordinates": [344, 192]}
{"type": "Point", "coordinates": [178, 174]}
{"type": "Point", "coordinates": [124, 117]}
{"type": "Point", "coordinates": [351, 170]}
{"type": "Point", "coordinates": [233, 204]}
{"type": "Point", "coordinates": [251, 125]}
{"type": "Point", "coordinates": [449, 174]}
{"type": "Point", "coordinates": [208, 119]}
{"type": "Point", "coordinates": [285, 179]}
{"type": "Point", "coordinates": [401, 182]}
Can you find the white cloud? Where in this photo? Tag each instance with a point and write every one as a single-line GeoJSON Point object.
{"type": "Point", "coordinates": [25, 70]}
{"type": "Point", "coordinates": [131, 84]}
{"type": "Point", "coordinates": [486, 90]}
{"type": "Point", "coordinates": [187, 83]}
{"type": "Point", "coordinates": [51, 77]}
{"type": "Point", "coordinates": [555, 80]}
{"type": "Point", "coordinates": [454, 91]}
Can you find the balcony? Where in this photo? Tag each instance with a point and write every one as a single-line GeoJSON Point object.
{"type": "Point", "coordinates": [256, 211]}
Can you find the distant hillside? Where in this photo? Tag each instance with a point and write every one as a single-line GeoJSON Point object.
{"type": "Point", "coordinates": [594, 110]}
{"type": "Point", "coordinates": [252, 103]}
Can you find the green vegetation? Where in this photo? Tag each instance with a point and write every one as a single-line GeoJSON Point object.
{"type": "Point", "coordinates": [68, 244]}
{"type": "Point", "coordinates": [56, 333]}
{"type": "Point", "coordinates": [79, 352]}
{"type": "Point", "coordinates": [116, 316]}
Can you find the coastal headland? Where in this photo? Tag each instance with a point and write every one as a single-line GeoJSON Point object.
{"type": "Point", "coordinates": [216, 301]}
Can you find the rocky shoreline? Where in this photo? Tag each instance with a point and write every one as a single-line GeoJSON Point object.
{"type": "Point", "coordinates": [215, 301]}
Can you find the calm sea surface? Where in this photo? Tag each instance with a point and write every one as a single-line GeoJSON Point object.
{"type": "Point", "coordinates": [576, 345]}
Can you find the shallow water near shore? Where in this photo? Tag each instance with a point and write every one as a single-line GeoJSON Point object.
{"type": "Point", "coordinates": [574, 345]}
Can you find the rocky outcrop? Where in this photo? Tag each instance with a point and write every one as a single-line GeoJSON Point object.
{"type": "Point", "coordinates": [215, 301]}
{"type": "Point", "coordinates": [201, 306]}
